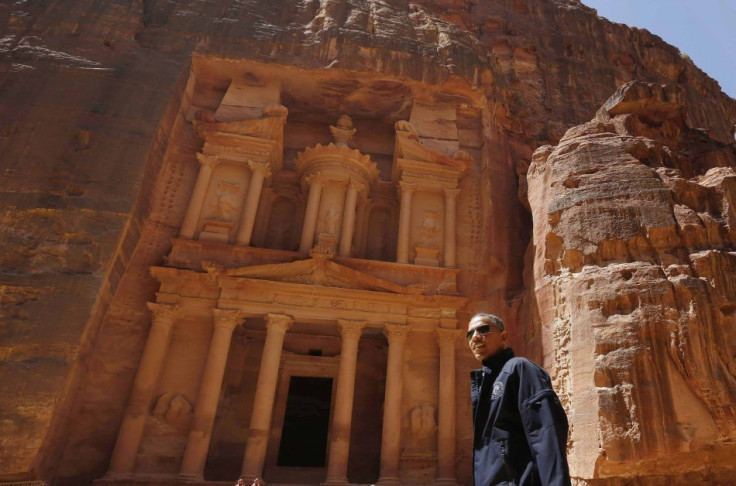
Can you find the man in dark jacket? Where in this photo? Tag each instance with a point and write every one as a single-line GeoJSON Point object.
{"type": "Point", "coordinates": [520, 427]}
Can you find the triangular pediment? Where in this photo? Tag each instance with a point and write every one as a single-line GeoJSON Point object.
{"type": "Point", "coordinates": [319, 271]}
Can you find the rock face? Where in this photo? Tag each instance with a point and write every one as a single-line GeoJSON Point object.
{"type": "Point", "coordinates": [97, 134]}
{"type": "Point", "coordinates": [633, 279]}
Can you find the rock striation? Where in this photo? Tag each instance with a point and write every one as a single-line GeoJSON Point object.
{"type": "Point", "coordinates": [633, 263]}
{"type": "Point", "coordinates": [99, 144]}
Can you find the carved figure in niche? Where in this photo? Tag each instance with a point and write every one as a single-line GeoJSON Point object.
{"type": "Point", "coordinates": [429, 227]}
{"type": "Point", "coordinates": [226, 207]}
{"type": "Point", "coordinates": [423, 426]}
{"type": "Point", "coordinates": [331, 219]}
{"type": "Point", "coordinates": [377, 243]}
{"type": "Point", "coordinates": [343, 131]}
{"type": "Point", "coordinates": [174, 409]}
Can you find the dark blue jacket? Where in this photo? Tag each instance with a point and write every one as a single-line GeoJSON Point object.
{"type": "Point", "coordinates": [520, 427]}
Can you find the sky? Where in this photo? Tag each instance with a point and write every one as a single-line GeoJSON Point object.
{"type": "Point", "coordinates": [705, 30]}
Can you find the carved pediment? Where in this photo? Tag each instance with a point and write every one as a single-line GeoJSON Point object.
{"type": "Point", "coordinates": [316, 271]}
{"type": "Point", "coordinates": [415, 158]}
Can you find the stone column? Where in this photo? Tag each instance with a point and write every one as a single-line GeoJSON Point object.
{"type": "Point", "coordinates": [337, 468]}
{"type": "Point", "coordinates": [348, 219]}
{"type": "Point", "coordinates": [310, 217]}
{"type": "Point", "coordinates": [196, 201]}
{"type": "Point", "coordinates": [260, 419]}
{"type": "Point", "coordinates": [258, 172]}
{"type": "Point", "coordinates": [402, 251]}
{"type": "Point", "coordinates": [391, 435]}
{"type": "Point", "coordinates": [139, 402]}
{"type": "Point", "coordinates": [450, 230]}
{"type": "Point", "coordinates": [205, 409]}
{"type": "Point", "coordinates": [446, 410]}
{"type": "Point", "coordinates": [360, 226]}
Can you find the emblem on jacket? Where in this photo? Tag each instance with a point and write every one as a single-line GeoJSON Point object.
{"type": "Point", "coordinates": [497, 390]}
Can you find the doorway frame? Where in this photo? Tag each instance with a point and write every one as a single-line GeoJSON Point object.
{"type": "Point", "coordinates": [293, 364]}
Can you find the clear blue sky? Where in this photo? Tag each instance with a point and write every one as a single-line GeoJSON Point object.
{"type": "Point", "coordinates": [705, 30]}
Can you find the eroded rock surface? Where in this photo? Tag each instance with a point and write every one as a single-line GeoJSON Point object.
{"type": "Point", "coordinates": [98, 161]}
{"type": "Point", "coordinates": [633, 255]}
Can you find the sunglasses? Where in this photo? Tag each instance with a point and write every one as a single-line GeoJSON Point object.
{"type": "Point", "coordinates": [480, 330]}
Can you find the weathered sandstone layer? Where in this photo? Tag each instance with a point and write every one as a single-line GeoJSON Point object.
{"type": "Point", "coordinates": [98, 160]}
{"type": "Point", "coordinates": [633, 276]}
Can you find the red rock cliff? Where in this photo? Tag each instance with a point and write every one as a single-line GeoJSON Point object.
{"type": "Point", "coordinates": [91, 93]}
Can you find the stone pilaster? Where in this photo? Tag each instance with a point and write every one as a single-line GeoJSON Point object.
{"type": "Point", "coordinates": [348, 219]}
{"type": "Point", "coordinates": [260, 420]}
{"type": "Point", "coordinates": [446, 339]}
{"type": "Point", "coordinates": [337, 469]}
{"type": "Point", "coordinates": [122, 461]}
{"type": "Point", "coordinates": [259, 171]}
{"type": "Point", "coordinates": [402, 250]}
{"type": "Point", "coordinates": [200, 433]}
{"type": "Point", "coordinates": [196, 201]}
{"type": "Point", "coordinates": [450, 226]}
{"type": "Point", "coordinates": [391, 435]}
{"type": "Point", "coordinates": [310, 216]}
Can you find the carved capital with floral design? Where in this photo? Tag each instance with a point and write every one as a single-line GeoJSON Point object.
{"type": "Point", "coordinates": [396, 332]}
{"type": "Point", "coordinates": [210, 161]}
{"type": "Point", "coordinates": [448, 337]}
{"type": "Point", "coordinates": [227, 318]}
{"type": "Point", "coordinates": [164, 314]}
{"type": "Point", "coordinates": [278, 323]}
{"type": "Point", "coordinates": [351, 329]}
{"type": "Point", "coordinates": [262, 167]}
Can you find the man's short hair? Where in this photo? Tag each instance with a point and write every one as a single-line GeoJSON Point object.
{"type": "Point", "coordinates": [495, 321]}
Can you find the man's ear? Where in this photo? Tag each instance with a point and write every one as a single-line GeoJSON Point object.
{"type": "Point", "coordinates": [504, 335]}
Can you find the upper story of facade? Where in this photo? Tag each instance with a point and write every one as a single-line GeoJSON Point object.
{"type": "Point", "coordinates": [369, 169]}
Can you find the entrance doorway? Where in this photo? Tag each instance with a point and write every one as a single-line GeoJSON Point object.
{"type": "Point", "coordinates": [306, 421]}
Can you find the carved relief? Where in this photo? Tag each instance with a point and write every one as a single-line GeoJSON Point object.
{"type": "Point", "coordinates": [429, 228]}
{"type": "Point", "coordinates": [423, 427]}
{"type": "Point", "coordinates": [225, 206]}
{"type": "Point", "coordinates": [173, 409]}
{"type": "Point", "coordinates": [330, 220]}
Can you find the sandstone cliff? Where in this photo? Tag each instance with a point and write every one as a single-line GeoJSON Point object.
{"type": "Point", "coordinates": [632, 275]}
{"type": "Point", "coordinates": [90, 101]}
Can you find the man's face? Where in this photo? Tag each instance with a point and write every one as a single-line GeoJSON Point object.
{"type": "Point", "coordinates": [485, 345]}
{"type": "Point", "coordinates": [241, 482]}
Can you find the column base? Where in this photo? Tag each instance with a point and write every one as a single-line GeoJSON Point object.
{"type": "Point", "coordinates": [446, 482]}
{"type": "Point", "coordinates": [335, 482]}
{"type": "Point", "coordinates": [388, 481]}
{"type": "Point", "coordinates": [190, 478]}
{"type": "Point", "coordinates": [115, 476]}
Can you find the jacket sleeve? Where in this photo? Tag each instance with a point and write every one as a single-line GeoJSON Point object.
{"type": "Point", "coordinates": [545, 425]}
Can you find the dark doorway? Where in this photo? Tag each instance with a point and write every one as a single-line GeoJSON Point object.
{"type": "Point", "coordinates": [304, 434]}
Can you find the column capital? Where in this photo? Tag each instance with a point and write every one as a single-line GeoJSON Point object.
{"type": "Point", "coordinates": [262, 167]}
{"type": "Point", "coordinates": [407, 187]}
{"type": "Point", "coordinates": [278, 322]}
{"type": "Point", "coordinates": [315, 179]}
{"type": "Point", "coordinates": [350, 329]}
{"type": "Point", "coordinates": [227, 318]}
{"type": "Point", "coordinates": [450, 192]}
{"type": "Point", "coordinates": [448, 336]}
{"type": "Point", "coordinates": [358, 186]}
{"type": "Point", "coordinates": [211, 161]}
{"type": "Point", "coordinates": [395, 332]}
{"type": "Point", "coordinates": [164, 312]}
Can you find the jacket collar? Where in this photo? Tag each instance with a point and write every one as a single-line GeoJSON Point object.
{"type": "Point", "coordinates": [496, 362]}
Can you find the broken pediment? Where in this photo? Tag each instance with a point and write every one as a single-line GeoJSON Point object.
{"type": "Point", "coordinates": [314, 271]}
{"type": "Point", "coordinates": [414, 159]}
